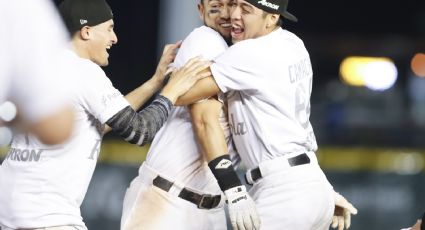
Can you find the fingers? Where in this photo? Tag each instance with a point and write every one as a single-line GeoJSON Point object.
{"type": "Point", "coordinates": [334, 221]}
{"type": "Point", "coordinates": [232, 217]}
{"type": "Point", "coordinates": [172, 47]}
{"type": "Point", "coordinates": [256, 221]}
{"type": "Point", "coordinates": [241, 221]}
{"type": "Point", "coordinates": [340, 223]}
{"type": "Point", "coordinates": [351, 208]}
{"type": "Point", "coordinates": [347, 219]}
{"type": "Point", "coordinates": [247, 222]}
{"type": "Point", "coordinates": [204, 74]}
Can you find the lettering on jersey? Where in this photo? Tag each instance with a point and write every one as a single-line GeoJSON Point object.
{"type": "Point", "coordinates": [237, 128]}
{"type": "Point", "coordinates": [109, 97]}
{"type": "Point", "coordinates": [95, 122]}
{"type": "Point", "coordinates": [269, 4]}
{"type": "Point", "coordinates": [300, 70]}
{"type": "Point", "coordinates": [223, 164]}
{"type": "Point", "coordinates": [95, 151]}
{"type": "Point", "coordinates": [24, 155]}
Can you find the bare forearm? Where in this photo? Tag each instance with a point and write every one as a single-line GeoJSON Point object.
{"type": "Point", "coordinates": [138, 97]}
{"type": "Point", "coordinates": [204, 88]}
{"type": "Point", "coordinates": [210, 134]}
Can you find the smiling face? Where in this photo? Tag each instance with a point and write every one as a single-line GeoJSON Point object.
{"type": "Point", "coordinates": [249, 21]}
{"type": "Point", "coordinates": [216, 15]}
{"type": "Point", "coordinates": [102, 37]}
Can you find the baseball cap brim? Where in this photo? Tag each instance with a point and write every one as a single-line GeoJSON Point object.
{"type": "Point", "coordinates": [289, 16]}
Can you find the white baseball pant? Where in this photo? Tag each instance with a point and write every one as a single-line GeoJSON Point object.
{"type": "Point", "coordinates": [147, 207]}
{"type": "Point", "coordinates": [293, 197]}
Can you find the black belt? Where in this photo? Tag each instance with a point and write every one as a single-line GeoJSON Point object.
{"type": "Point", "coordinates": [293, 161]}
{"type": "Point", "coordinates": [202, 201]}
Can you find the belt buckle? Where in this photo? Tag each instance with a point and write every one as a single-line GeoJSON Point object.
{"type": "Point", "coordinates": [203, 197]}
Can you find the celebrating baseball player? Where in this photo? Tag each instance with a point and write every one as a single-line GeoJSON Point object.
{"type": "Point", "coordinates": [29, 76]}
{"type": "Point", "coordinates": [267, 77]}
{"type": "Point", "coordinates": [182, 193]}
{"type": "Point", "coordinates": [41, 186]}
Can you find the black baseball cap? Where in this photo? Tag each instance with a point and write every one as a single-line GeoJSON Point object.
{"type": "Point", "coordinates": [79, 13]}
{"type": "Point", "coordinates": [274, 7]}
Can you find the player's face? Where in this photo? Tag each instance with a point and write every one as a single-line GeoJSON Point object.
{"type": "Point", "coordinates": [247, 21]}
{"type": "Point", "coordinates": [216, 15]}
{"type": "Point", "coordinates": [102, 39]}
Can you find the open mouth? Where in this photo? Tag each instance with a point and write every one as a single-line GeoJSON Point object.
{"type": "Point", "coordinates": [108, 48]}
{"type": "Point", "coordinates": [237, 31]}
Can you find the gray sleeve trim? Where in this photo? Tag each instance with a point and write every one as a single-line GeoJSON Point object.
{"type": "Point", "coordinates": [140, 128]}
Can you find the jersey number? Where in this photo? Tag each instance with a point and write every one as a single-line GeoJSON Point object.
{"type": "Point", "coordinates": [302, 103]}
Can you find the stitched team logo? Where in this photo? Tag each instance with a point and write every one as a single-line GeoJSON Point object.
{"type": "Point", "coordinates": [223, 164]}
{"type": "Point", "coordinates": [269, 4]}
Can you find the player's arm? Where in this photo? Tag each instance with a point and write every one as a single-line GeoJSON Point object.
{"type": "Point", "coordinates": [140, 128]}
{"type": "Point", "coordinates": [138, 97]}
{"type": "Point", "coordinates": [210, 134]}
{"type": "Point", "coordinates": [204, 88]}
{"type": "Point", "coordinates": [205, 119]}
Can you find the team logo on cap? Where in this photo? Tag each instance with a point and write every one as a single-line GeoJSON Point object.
{"type": "Point", "coordinates": [269, 4]}
{"type": "Point", "coordinates": [83, 21]}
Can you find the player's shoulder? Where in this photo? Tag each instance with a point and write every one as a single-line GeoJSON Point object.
{"type": "Point", "coordinates": [88, 72]}
{"type": "Point", "coordinates": [204, 35]}
{"type": "Point", "coordinates": [289, 36]}
{"type": "Point", "coordinates": [204, 31]}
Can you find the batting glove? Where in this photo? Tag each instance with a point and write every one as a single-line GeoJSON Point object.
{"type": "Point", "coordinates": [242, 211]}
{"type": "Point", "coordinates": [343, 212]}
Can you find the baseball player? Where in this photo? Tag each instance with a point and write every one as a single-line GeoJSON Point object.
{"type": "Point", "coordinates": [175, 188]}
{"type": "Point", "coordinates": [28, 74]}
{"type": "Point", "coordinates": [267, 76]}
{"type": "Point", "coordinates": [43, 186]}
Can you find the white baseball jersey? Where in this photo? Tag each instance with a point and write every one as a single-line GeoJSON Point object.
{"type": "Point", "coordinates": [29, 73]}
{"type": "Point", "coordinates": [268, 96]}
{"type": "Point", "coordinates": [175, 152]}
{"type": "Point", "coordinates": [44, 186]}
{"type": "Point", "coordinates": [175, 155]}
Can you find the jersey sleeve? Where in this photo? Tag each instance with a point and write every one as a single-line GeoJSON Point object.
{"type": "Point", "coordinates": [100, 97]}
{"type": "Point", "coordinates": [204, 42]}
{"type": "Point", "coordinates": [235, 70]}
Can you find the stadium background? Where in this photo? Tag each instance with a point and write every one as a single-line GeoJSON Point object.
{"type": "Point", "coordinates": [371, 140]}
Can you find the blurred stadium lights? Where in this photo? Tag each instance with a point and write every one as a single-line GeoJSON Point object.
{"type": "Point", "coordinates": [376, 73]}
{"type": "Point", "coordinates": [408, 163]}
{"type": "Point", "coordinates": [418, 64]}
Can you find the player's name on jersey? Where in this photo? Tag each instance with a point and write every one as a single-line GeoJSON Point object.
{"type": "Point", "coordinates": [25, 155]}
{"type": "Point", "coordinates": [300, 70]}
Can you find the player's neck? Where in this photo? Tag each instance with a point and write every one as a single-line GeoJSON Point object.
{"type": "Point", "coordinates": [79, 48]}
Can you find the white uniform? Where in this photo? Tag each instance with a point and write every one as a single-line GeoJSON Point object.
{"type": "Point", "coordinates": [43, 186]}
{"type": "Point", "coordinates": [269, 81]}
{"type": "Point", "coordinates": [28, 68]}
{"type": "Point", "coordinates": [175, 156]}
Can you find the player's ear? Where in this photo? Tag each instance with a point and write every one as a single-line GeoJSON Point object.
{"type": "Point", "coordinates": [201, 10]}
{"type": "Point", "coordinates": [85, 33]}
{"type": "Point", "coordinates": [272, 20]}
